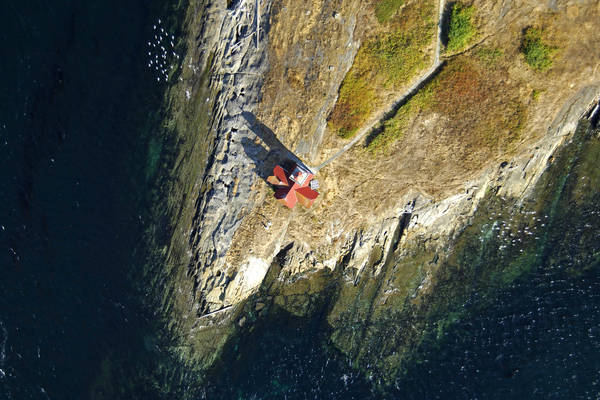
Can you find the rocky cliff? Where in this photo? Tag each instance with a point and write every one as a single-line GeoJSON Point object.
{"type": "Point", "coordinates": [471, 141]}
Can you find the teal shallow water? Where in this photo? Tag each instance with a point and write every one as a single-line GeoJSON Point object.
{"type": "Point", "coordinates": [79, 107]}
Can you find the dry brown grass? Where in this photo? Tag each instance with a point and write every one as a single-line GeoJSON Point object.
{"type": "Point", "coordinates": [478, 106]}
{"type": "Point", "coordinates": [391, 56]}
{"type": "Point", "coordinates": [482, 114]}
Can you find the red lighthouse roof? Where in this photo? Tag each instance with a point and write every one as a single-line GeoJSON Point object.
{"type": "Point", "coordinates": [293, 186]}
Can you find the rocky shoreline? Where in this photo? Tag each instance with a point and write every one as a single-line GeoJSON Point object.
{"type": "Point", "coordinates": [245, 258]}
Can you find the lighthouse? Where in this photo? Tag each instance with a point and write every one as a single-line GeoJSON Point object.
{"type": "Point", "coordinates": [294, 184]}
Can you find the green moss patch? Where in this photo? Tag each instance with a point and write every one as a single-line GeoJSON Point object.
{"type": "Point", "coordinates": [537, 53]}
{"type": "Point", "coordinates": [489, 56]}
{"type": "Point", "coordinates": [461, 29]}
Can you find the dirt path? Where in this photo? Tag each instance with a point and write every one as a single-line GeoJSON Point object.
{"type": "Point", "coordinates": [387, 112]}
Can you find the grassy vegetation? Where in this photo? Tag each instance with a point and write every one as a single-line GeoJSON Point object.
{"type": "Point", "coordinates": [355, 101]}
{"type": "Point", "coordinates": [386, 61]}
{"type": "Point", "coordinates": [386, 9]}
{"type": "Point", "coordinates": [489, 56]}
{"type": "Point", "coordinates": [480, 114]}
{"type": "Point", "coordinates": [537, 54]}
{"type": "Point", "coordinates": [536, 93]}
{"type": "Point", "coordinates": [393, 129]}
{"type": "Point", "coordinates": [461, 29]}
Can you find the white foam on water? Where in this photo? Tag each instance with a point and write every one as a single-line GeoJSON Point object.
{"type": "Point", "coordinates": [3, 340]}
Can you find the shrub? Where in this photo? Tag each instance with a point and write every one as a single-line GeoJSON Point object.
{"type": "Point", "coordinates": [537, 54]}
{"type": "Point", "coordinates": [461, 29]}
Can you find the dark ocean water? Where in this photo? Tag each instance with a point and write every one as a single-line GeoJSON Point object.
{"type": "Point", "coordinates": [74, 130]}
{"type": "Point", "coordinates": [539, 339]}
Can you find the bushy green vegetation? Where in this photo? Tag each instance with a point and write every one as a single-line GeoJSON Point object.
{"type": "Point", "coordinates": [385, 9]}
{"type": "Point", "coordinates": [399, 55]}
{"type": "Point", "coordinates": [387, 61]}
{"type": "Point", "coordinates": [461, 29]}
{"type": "Point", "coordinates": [537, 54]}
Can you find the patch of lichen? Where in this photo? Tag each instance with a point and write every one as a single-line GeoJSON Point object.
{"type": "Point", "coordinates": [389, 59]}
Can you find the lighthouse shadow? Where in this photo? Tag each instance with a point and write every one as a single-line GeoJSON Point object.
{"type": "Point", "coordinates": [269, 152]}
